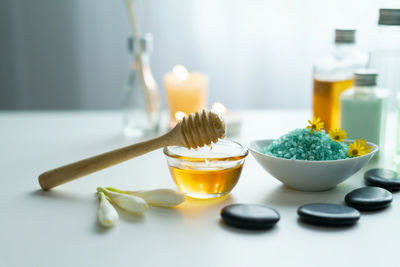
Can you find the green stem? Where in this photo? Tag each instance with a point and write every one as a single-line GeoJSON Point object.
{"type": "Point", "coordinates": [112, 189]}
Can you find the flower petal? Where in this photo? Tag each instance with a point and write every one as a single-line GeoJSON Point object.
{"type": "Point", "coordinates": [129, 203]}
{"type": "Point", "coordinates": [106, 215]}
{"type": "Point", "coordinates": [157, 197]}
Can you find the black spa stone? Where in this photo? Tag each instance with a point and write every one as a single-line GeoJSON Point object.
{"type": "Point", "coordinates": [250, 216]}
{"type": "Point", "coordinates": [369, 198]}
{"type": "Point", "coordinates": [327, 214]}
{"type": "Point", "coordinates": [384, 178]}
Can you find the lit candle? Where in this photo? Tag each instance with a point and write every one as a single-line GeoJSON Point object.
{"type": "Point", "coordinates": [186, 92]}
{"type": "Point", "coordinates": [179, 115]}
{"type": "Point", "coordinates": [232, 120]}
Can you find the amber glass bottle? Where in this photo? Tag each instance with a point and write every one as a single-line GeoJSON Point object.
{"type": "Point", "coordinates": [333, 74]}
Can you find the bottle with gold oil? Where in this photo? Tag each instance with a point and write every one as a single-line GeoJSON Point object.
{"type": "Point", "coordinates": [333, 74]}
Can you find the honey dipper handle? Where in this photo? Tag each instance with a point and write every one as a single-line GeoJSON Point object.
{"type": "Point", "coordinates": [67, 173]}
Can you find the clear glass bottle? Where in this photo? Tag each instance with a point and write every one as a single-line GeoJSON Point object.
{"type": "Point", "coordinates": [385, 53]}
{"type": "Point", "coordinates": [141, 98]}
{"type": "Point", "coordinates": [333, 74]}
{"type": "Point", "coordinates": [364, 108]}
{"type": "Point", "coordinates": [397, 148]}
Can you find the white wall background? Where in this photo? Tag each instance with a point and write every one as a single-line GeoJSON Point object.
{"type": "Point", "coordinates": [57, 54]}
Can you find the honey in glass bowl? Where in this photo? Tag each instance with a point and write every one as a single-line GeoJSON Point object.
{"type": "Point", "coordinates": [207, 172]}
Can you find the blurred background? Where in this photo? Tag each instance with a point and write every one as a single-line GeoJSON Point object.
{"type": "Point", "coordinates": [257, 54]}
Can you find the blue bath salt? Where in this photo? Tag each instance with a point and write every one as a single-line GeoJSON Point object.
{"type": "Point", "coordinates": [300, 144]}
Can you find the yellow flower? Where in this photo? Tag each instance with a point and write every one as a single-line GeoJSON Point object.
{"type": "Point", "coordinates": [315, 125]}
{"type": "Point", "coordinates": [358, 148]}
{"type": "Point", "coordinates": [338, 134]}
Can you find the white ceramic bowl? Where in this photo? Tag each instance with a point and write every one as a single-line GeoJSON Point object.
{"type": "Point", "coordinates": [308, 175]}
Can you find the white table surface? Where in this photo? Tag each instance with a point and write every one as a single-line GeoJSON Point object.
{"type": "Point", "coordinates": [59, 228]}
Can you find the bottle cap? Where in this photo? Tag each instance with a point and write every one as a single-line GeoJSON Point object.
{"type": "Point", "coordinates": [345, 36]}
{"type": "Point", "coordinates": [365, 77]}
{"type": "Point", "coordinates": [145, 42]}
{"type": "Point", "coordinates": [389, 16]}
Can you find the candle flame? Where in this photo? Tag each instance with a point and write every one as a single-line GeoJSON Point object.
{"type": "Point", "coordinates": [180, 72]}
{"type": "Point", "coordinates": [179, 115]}
{"type": "Point", "coordinates": [219, 108]}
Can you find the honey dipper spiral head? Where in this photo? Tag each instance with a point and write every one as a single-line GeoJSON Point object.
{"type": "Point", "coordinates": [202, 128]}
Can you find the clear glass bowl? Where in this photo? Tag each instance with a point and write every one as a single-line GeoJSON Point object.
{"type": "Point", "coordinates": [206, 172]}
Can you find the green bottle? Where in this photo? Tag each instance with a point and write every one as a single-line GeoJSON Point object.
{"type": "Point", "coordinates": [364, 108]}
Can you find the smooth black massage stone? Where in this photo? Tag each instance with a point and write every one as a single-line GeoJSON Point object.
{"type": "Point", "coordinates": [385, 178]}
{"type": "Point", "coordinates": [369, 198]}
{"type": "Point", "coordinates": [328, 214]}
{"type": "Point", "coordinates": [250, 216]}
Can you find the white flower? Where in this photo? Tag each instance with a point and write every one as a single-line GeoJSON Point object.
{"type": "Point", "coordinates": [158, 197]}
{"type": "Point", "coordinates": [106, 214]}
{"type": "Point", "coordinates": [129, 203]}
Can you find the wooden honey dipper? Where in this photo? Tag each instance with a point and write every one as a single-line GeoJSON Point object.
{"type": "Point", "coordinates": [195, 130]}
